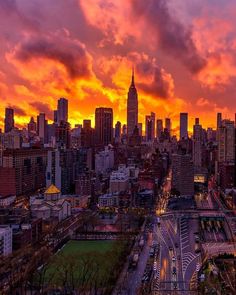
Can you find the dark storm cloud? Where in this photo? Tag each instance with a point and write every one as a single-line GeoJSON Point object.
{"type": "Point", "coordinates": [42, 108]}
{"type": "Point", "coordinates": [12, 9]}
{"type": "Point", "coordinates": [8, 5]}
{"type": "Point", "coordinates": [173, 38]}
{"type": "Point", "coordinates": [18, 111]}
{"type": "Point", "coordinates": [161, 85]}
{"type": "Point", "coordinates": [67, 51]}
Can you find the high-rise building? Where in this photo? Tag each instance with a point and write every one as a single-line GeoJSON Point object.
{"type": "Point", "coordinates": [118, 131]}
{"type": "Point", "coordinates": [22, 171]}
{"type": "Point", "coordinates": [86, 124]}
{"type": "Point", "coordinates": [219, 120]}
{"type": "Point", "coordinates": [140, 129]}
{"type": "Point", "coordinates": [87, 134]}
{"type": "Point", "coordinates": [76, 136]}
{"type": "Point", "coordinates": [168, 125]}
{"type": "Point", "coordinates": [150, 127]}
{"type": "Point", "coordinates": [55, 116]}
{"type": "Point", "coordinates": [211, 134]}
{"type": "Point", "coordinates": [159, 128]}
{"type": "Point", "coordinates": [124, 129]}
{"type": "Point", "coordinates": [183, 125]}
{"type": "Point", "coordinates": [197, 144]}
{"type": "Point", "coordinates": [153, 118]}
{"type": "Point", "coordinates": [32, 127]}
{"type": "Point", "coordinates": [63, 136]}
{"type": "Point", "coordinates": [42, 127]}
{"type": "Point", "coordinates": [9, 120]}
{"type": "Point", "coordinates": [226, 141]}
{"type": "Point", "coordinates": [132, 108]}
{"type": "Point", "coordinates": [182, 174]}
{"type": "Point", "coordinates": [62, 110]}
{"type": "Point", "coordinates": [135, 139]}
{"type": "Point", "coordinates": [60, 170]}
{"type": "Point", "coordinates": [83, 184]}
{"type": "Point", "coordinates": [103, 125]}
{"type": "Point", "coordinates": [227, 175]}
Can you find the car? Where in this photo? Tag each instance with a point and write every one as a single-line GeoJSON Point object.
{"type": "Point", "coordinates": [151, 252]}
{"type": "Point", "coordinates": [175, 285]}
{"type": "Point", "coordinates": [173, 259]}
{"type": "Point", "coordinates": [145, 278]}
{"type": "Point", "coordinates": [174, 270]}
{"type": "Point", "coordinates": [170, 248]}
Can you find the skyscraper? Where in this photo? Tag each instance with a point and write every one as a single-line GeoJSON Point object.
{"type": "Point", "coordinates": [118, 131]}
{"type": "Point", "coordinates": [86, 124]}
{"type": "Point", "coordinates": [87, 134]}
{"type": "Point", "coordinates": [9, 120]}
{"type": "Point", "coordinates": [153, 117]}
{"type": "Point", "coordinates": [197, 144]}
{"type": "Point", "coordinates": [226, 141]}
{"type": "Point", "coordinates": [150, 127]}
{"type": "Point", "coordinates": [62, 110]}
{"type": "Point", "coordinates": [132, 108]}
{"type": "Point", "coordinates": [55, 116]}
{"type": "Point", "coordinates": [159, 127]}
{"type": "Point", "coordinates": [182, 174]}
{"type": "Point", "coordinates": [103, 125]}
{"type": "Point", "coordinates": [41, 127]}
{"type": "Point", "coordinates": [226, 154]}
{"type": "Point", "coordinates": [168, 125]}
{"type": "Point", "coordinates": [140, 129]}
{"type": "Point", "coordinates": [219, 119]}
{"type": "Point", "coordinates": [63, 136]}
{"type": "Point", "coordinates": [32, 126]}
{"type": "Point", "coordinates": [183, 125]}
{"type": "Point", "coordinates": [124, 129]}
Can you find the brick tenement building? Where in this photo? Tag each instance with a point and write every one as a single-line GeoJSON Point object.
{"type": "Point", "coordinates": [23, 171]}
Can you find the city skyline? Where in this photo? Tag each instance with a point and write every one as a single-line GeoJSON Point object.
{"type": "Point", "coordinates": [117, 147]}
{"type": "Point", "coordinates": [49, 58]}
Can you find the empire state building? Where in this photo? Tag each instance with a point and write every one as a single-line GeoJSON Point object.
{"type": "Point", "coordinates": [132, 107]}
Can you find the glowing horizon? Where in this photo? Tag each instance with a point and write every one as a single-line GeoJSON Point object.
{"type": "Point", "coordinates": [183, 53]}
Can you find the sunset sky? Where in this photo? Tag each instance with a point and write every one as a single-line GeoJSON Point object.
{"type": "Point", "coordinates": [183, 51]}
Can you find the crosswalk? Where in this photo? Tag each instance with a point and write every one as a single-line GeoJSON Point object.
{"type": "Point", "coordinates": [187, 258]}
{"type": "Point", "coordinates": [184, 233]}
{"type": "Point", "coordinates": [187, 255]}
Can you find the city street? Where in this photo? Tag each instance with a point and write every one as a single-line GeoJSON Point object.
{"type": "Point", "coordinates": [178, 260]}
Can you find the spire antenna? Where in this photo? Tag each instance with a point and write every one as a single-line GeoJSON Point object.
{"type": "Point", "coordinates": [132, 75]}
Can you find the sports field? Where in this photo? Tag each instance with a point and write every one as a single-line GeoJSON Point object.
{"type": "Point", "coordinates": [75, 247]}
{"type": "Point", "coordinates": [83, 261]}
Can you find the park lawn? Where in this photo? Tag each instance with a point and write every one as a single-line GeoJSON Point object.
{"type": "Point", "coordinates": [73, 247]}
{"type": "Point", "coordinates": [76, 248]}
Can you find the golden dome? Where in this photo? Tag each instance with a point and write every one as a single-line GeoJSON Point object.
{"type": "Point", "coordinates": [51, 190]}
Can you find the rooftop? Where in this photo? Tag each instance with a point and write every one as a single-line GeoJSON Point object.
{"type": "Point", "coordinates": [52, 189]}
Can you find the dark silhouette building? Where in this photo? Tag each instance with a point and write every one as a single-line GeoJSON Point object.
{"type": "Point", "coordinates": [62, 110]}
{"type": "Point", "coordinates": [63, 136]}
{"type": "Point", "coordinates": [132, 108]}
{"type": "Point", "coordinates": [9, 120]}
{"type": "Point", "coordinates": [103, 125]}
